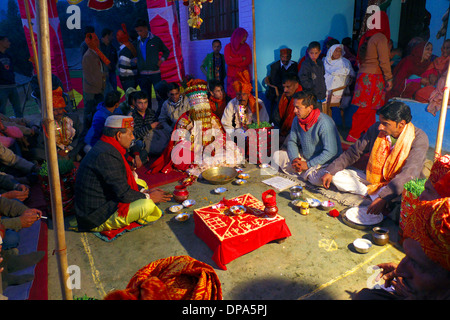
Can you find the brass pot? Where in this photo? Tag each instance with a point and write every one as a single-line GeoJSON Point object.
{"type": "Point", "coordinates": [380, 236]}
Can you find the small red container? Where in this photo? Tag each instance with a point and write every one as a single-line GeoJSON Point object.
{"type": "Point", "coordinates": [180, 194]}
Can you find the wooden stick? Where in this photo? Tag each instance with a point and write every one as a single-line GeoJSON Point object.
{"type": "Point", "coordinates": [254, 62]}
{"type": "Point", "coordinates": [50, 145]}
{"type": "Point", "coordinates": [33, 41]}
{"type": "Point", "coordinates": [440, 133]}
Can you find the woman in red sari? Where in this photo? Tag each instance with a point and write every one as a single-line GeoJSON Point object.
{"type": "Point", "coordinates": [410, 67]}
{"type": "Point", "coordinates": [238, 57]}
{"type": "Point", "coordinates": [374, 77]}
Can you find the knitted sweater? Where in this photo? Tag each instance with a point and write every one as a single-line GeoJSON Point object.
{"type": "Point", "coordinates": [319, 145]}
{"type": "Point", "coordinates": [142, 125]}
{"type": "Point", "coordinates": [127, 64]}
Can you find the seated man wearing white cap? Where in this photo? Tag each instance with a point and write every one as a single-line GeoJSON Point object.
{"type": "Point", "coordinates": [107, 196]}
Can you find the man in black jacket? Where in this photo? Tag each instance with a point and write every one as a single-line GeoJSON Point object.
{"type": "Point", "coordinates": [107, 196]}
{"type": "Point", "coordinates": [148, 49]}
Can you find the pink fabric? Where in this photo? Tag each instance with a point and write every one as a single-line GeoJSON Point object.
{"type": "Point", "coordinates": [6, 141]}
{"type": "Point", "coordinates": [14, 132]}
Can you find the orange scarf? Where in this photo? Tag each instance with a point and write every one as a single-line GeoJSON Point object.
{"type": "Point", "coordinates": [122, 207]}
{"type": "Point", "coordinates": [93, 43]}
{"type": "Point", "coordinates": [384, 163]}
{"type": "Point", "coordinates": [123, 38]}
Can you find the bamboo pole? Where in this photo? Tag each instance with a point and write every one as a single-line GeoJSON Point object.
{"type": "Point", "coordinates": [50, 145]}
{"type": "Point", "coordinates": [33, 41]}
{"type": "Point", "coordinates": [440, 133]}
{"type": "Point", "coordinates": [254, 63]}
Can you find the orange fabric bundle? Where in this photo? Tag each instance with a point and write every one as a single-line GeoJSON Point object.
{"type": "Point", "coordinates": [383, 163]}
{"type": "Point", "coordinates": [172, 278]}
{"type": "Point", "coordinates": [93, 43]}
{"type": "Point", "coordinates": [123, 38]}
{"type": "Point", "coordinates": [243, 84]}
{"type": "Point", "coordinates": [58, 100]}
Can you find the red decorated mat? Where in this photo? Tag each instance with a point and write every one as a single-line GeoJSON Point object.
{"type": "Point", "coordinates": [230, 236]}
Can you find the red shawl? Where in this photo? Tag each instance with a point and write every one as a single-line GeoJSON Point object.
{"type": "Point", "coordinates": [122, 207]}
{"type": "Point", "coordinates": [310, 120]}
{"type": "Point", "coordinates": [286, 111]}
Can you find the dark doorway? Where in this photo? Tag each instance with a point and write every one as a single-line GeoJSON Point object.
{"type": "Point", "coordinates": [414, 22]}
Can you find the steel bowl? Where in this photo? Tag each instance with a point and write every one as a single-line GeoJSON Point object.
{"type": "Point", "coordinates": [362, 245]}
{"type": "Point", "coordinates": [243, 176]}
{"type": "Point", "coordinates": [182, 217]}
{"type": "Point", "coordinates": [220, 190]}
{"type": "Point", "coordinates": [327, 205]}
{"type": "Point", "coordinates": [219, 175]}
{"type": "Point", "coordinates": [188, 203]}
{"type": "Point", "coordinates": [237, 210]}
{"type": "Point", "coordinates": [296, 192]}
{"type": "Point", "coordinates": [176, 208]}
{"type": "Point", "coordinates": [313, 203]}
{"type": "Point", "coordinates": [241, 181]}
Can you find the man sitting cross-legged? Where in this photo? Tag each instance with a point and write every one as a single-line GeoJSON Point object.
{"type": "Point", "coordinates": [313, 141]}
{"type": "Point", "coordinates": [397, 154]}
{"type": "Point", "coordinates": [107, 196]}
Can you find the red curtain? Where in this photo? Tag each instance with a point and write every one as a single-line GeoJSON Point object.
{"type": "Point", "coordinates": [163, 20]}
{"type": "Point", "coordinates": [58, 56]}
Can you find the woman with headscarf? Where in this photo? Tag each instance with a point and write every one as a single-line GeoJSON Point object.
{"type": "Point", "coordinates": [432, 82]}
{"type": "Point", "coordinates": [338, 73]}
{"type": "Point", "coordinates": [374, 77]}
{"type": "Point", "coordinates": [409, 71]}
{"type": "Point", "coordinates": [238, 57]}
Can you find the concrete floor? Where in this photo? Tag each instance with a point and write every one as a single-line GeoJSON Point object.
{"type": "Point", "coordinates": [317, 262]}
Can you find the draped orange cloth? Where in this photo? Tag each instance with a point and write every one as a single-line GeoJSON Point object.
{"type": "Point", "coordinates": [384, 163]}
{"type": "Point", "coordinates": [286, 110]}
{"type": "Point", "coordinates": [172, 278]}
{"type": "Point", "coordinates": [124, 38]}
{"type": "Point", "coordinates": [94, 44]}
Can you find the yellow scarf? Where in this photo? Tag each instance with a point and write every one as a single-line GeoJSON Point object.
{"type": "Point", "coordinates": [384, 163]}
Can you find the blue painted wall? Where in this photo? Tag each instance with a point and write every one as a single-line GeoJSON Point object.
{"type": "Point", "coordinates": [294, 24]}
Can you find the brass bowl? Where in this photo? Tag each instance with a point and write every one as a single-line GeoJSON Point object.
{"type": "Point", "coordinates": [219, 175]}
